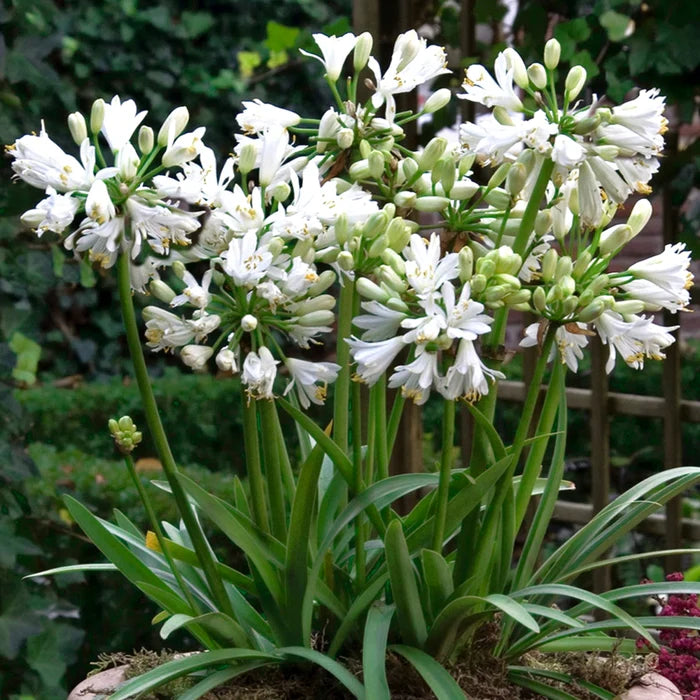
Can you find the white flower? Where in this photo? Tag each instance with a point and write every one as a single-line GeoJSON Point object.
{"type": "Point", "coordinates": [310, 379]}
{"type": "Point", "coordinates": [100, 240]}
{"type": "Point", "coordinates": [590, 203]}
{"type": "Point", "coordinates": [629, 142]}
{"type": "Point", "coordinates": [245, 261]}
{"type": "Point", "coordinates": [274, 148]}
{"type": "Point", "coordinates": [669, 272]}
{"type": "Point", "coordinates": [202, 324]}
{"type": "Point", "coordinates": [569, 342]}
{"type": "Point", "coordinates": [480, 87]}
{"type": "Point", "coordinates": [42, 163]}
{"type": "Point", "coordinates": [464, 318]}
{"type": "Point", "coordinates": [55, 213]}
{"type": "Point", "coordinates": [643, 115]}
{"type": "Point", "coordinates": [98, 205]}
{"type": "Point", "coordinates": [242, 212]}
{"type": "Point", "coordinates": [634, 339]}
{"type": "Point", "coordinates": [159, 225]}
{"type": "Point", "coordinates": [196, 356]}
{"type": "Point", "coordinates": [412, 63]}
{"type": "Point", "coordinates": [373, 359]}
{"type": "Point", "coordinates": [613, 185]}
{"type": "Point", "coordinates": [426, 269]}
{"type": "Point", "coordinates": [297, 280]}
{"type": "Point", "coordinates": [655, 297]}
{"type": "Point", "coordinates": [226, 361]}
{"type": "Point", "coordinates": [259, 372]}
{"type": "Point", "coordinates": [637, 172]}
{"type": "Point", "coordinates": [258, 116]}
{"type": "Point", "coordinates": [468, 377]}
{"type": "Point", "coordinates": [335, 50]}
{"type": "Point", "coordinates": [165, 330]}
{"type": "Point", "coordinates": [185, 148]}
{"type": "Point", "coordinates": [380, 322]}
{"type": "Point", "coordinates": [194, 293]}
{"type": "Point", "coordinates": [120, 122]}
{"type": "Point", "coordinates": [417, 377]}
{"type": "Point", "coordinates": [567, 152]}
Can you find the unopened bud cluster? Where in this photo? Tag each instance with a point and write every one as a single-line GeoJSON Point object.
{"type": "Point", "coordinates": [125, 434]}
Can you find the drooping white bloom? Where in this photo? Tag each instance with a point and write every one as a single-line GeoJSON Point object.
{"type": "Point", "coordinates": [334, 50]}
{"type": "Point", "coordinates": [468, 377]}
{"type": "Point", "coordinates": [258, 116]}
{"type": "Point", "coordinates": [310, 379]}
{"type": "Point", "coordinates": [55, 213]}
{"type": "Point", "coordinates": [590, 204]}
{"type": "Point", "coordinates": [480, 87]}
{"type": "Point", "coordinates": [656, 298]}
{"type": "Point", "coordinates": [194, 293]}
{"type": "Point", "coordinates": [245, 261]}
{"type": "Point", "coordinates": [669, 272]}
{"type": "Point", "coordinates": [42, 163]}
{"type": "Point", "coordinates": [159, 225]}
{"type": "Point", "coordinates": [185, 148]}
{"type": "Point", "coordinates": [101, 241]}
{"type": "Point", "coordinates": [226, 360]}
{"type": "Point", "coordinates": [98, 205]}
{"type": "Point", "coordinates": [417, 377]}
{"type": "Point", "coordinates": [637, 172]}
{"type": "Point", "coordinates": [426, 269]}
{"type": "Point", "coordinates": [373, 359]}
{"type": "Point", "coordinates": [567, 152]}
{"type": "Point", "coordinates": [412, 63]}
{"type": "Point", "coordinates": [165, 330]}
{"type": "Point", "coordinates": [196, 356]}
{"type": "Point", "coordinates": [380, 322]}
{"type": "Point", "coordinates": [120, 122]}
{"type": "Point", "coordinates": [643, 115]}
{"type": "Point", "coordinates": [570, 340]}
{"type": "Point", "coordinates": [634, 339]}
{"type": "Point", "coordinates": [259, 372]}
{"type": "Point", "coordinates": [274, 148]}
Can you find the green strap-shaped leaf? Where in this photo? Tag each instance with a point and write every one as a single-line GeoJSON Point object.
{"type": "Point", "coordinates": [374, 651]}
{"type": "Point", "coordinates": [214, 680]}
{"type": "Point", "coordinates": [404, 587]}
{"type": "Point", "coordinates": [434, 674]}
{"type": "Point", "coordinates": [525, 680]}
{"type": "Point", "coordinates": [499, 449]}
{"type": "Point", "coordinates": [223, 627]}
{"type": "Point", "coordinates": [181, 667]}
{"type": "Point", "coordinates": [515, 672]}
{"type": "Point", "coordinates": [74, 568]}
{"type": "Point", "coordinates": [438, 578]}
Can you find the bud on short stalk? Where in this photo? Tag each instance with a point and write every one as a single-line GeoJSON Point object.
{"type": "Point", "coordinates": [196, 356]}
{"type": "Point", "coordinates": [78, 127]}
{"type": "Point", "coordinates": [146, 139]}
{"type": "Point", "coordinates": [173, 126]}
{"type": "Point", "coordinates": [395, 304]}
{"type": "Point", "coordinates": [539, 300]}
{"type": "Point", "coordinates": [552, 53]}
{"type": "Point", "coordinates": [125, 434]}
{"type": "Point", "coordinates": [376, 164]}
{"type": "Point", "coordinates": [247, 158]}
{"type": "Point", "coordinates": [567, 286]}
{"type": "Point", "coordinates": [517, 65]}
{"type": "Point", "coordinates": [161, 291]}
{"type": "Point", "coordinates": [432, 153]}
{"type": "Point", "coordinates": [543, 222]}
{"type": "Point", "coordinates": [379, 245]}
{"type": "Point", "coordinates": [394, 260]}
{"type": "Point", "coordinates": [439, 99]}
{"type": "Point", "coordinates": [97, 115]}
{"type": "Point", "coordinates": [465, 164]}
{"type": "Point", "coordinates": [549, 265]}
{"type": "Point", "coordinates": [465, 259]}
{"type": "Point", "coordinates": [478, 283]}
{"type": "Point", "coordinates": [498, 198]}
{"type": "Point", "coordinates": [581, 264]}
{"type": "Point", "coordinates": [362, 51]}
{"type": "Point", "coordinates": [327, 255]}
{"type": "Point", "coordinates": [587, 125]}
{"type": "Point", "coordinates": [538, 76]}
{"type": "Point", "coordinates": [629, 306]}
{"type": "Point", "coordinates": [389, 277]}
{"type": "Point", "coordinates": [325, 281]}
{"type": "Point", "coordinates": [515, 181]}
{"type": "Point", "coordinates": [592, 311]}
{"type": "Point", "coordinates": [345, 260]}
{"type": "Point", "coordinates": [463, 190]}
{"type": "Point", "coordinates": [614, 238]}
{"type": "Point", "coordinates": [369, 290]}
{"type": "Point", "coordinates": [564, 266]}
{"type": "Point", "coordinates": [226, 360]}
{"type": "Point", "coordinates": [522, 296]}
{"type": "Point", "coordinates": [575, 80]}
{"type": "Point", "coordinates": [317, 318]}
{"type": "Point", "coordinates": [639, 218]}
{"type": "Point", "coordinates": [431, 204]}
{"type": "Point", "coordinates": [486, 266]}
{"type": "Point", "coordinates": [359, 170]}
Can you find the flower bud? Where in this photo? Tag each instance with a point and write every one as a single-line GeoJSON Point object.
{"type": "Point", "coordinates": [379, 245]}
{"type": "Point", "coordinates": [127, 162]}
{"type": "Point", "coordinates": [196, 356]}
{"type": "Point", "coordinates": [432, 153]}
{"type": "Point", "coordinates": [249, 323]}
{"type": "Point", "coordinates": [125, 434]}
{"type": "Point", "coordinates": [77, 126]}
{"type": "Point", "coordinates": [369, 290]}
{"type": "Point", "coordinates": [499, 176]}
{"type": "Point", "coordinates": [564, 266]}
{"type": "Point", "coordinates": [97, 115]}
{"type": "Point", "coordinates": [629, 306]}
{"type": "Point", "coordinates": [463, 190]}
{"type": "Point", "coordinates": [247, 158]}
{"type": "Point", "coordinates": [376, 164]}
{"type": "Point", "coordinates": [375, 224]}
{"type": "Point", "coordinates": [539, 300]}
{"type": "Point", "coordinates": [478, 283]}
{"type": "Point", "coordinates": [184, 149]}
{"type": "Point", "coordinates": [498, 198]}
{"type": "Point", "coordinates": [431, 203]}
{"type": "Point", "coordinates": [344, 138]}
{"type": "Point", "coordinates": [146, 139]}
{"type": "Point", "coordinates": [405, 199]}
{"type": "Point", "coordinates": [567, 285]}
{"type": "Point", "coordinates": [587, 125]}
{"type": "Point", "coordinates": [592, 311]}
{"type": "Point", "coordinates": [549, 264]}
{"type": "Point", "coordinates": [389, 277]}
{"type": "Point", "coordinates": [161, 291]}
{"type": "Point", "coordinates": [394, 260]}
{"type": "Point", "coordinates": [439, 99]}
{"type": "Point", "coordinates": [178, 267]}
{"type": "Point", "coordinates": [641, 213]}
{"type": "Point", "coordinates": [516, 63]}
{"type": "Point", "coordinates": [226, 360]}
{"type": "Point", "coordinates": [502, 116]}
{"type": "Point", "coordinates": [552, 52]}
{"type": "Point", "coordinates": [324, 281]}
{"type": "Point", "coordinates": [359, 170]}
{"type": "Point", "coordinates": [515, 181]}
{"type": "Point", "coordinates": [496, 293]}
{"type": "Point", "coordinates": [465, 164]}
{"type": "Point", "coordinates": [363, 49]}
{"type": "Point", "coordinates": [522, 296]}
{"type": "Point", "coordinates": [599, 284]}
{"type": "Point", "coordinates": [581, 264]}
{"type": "Point", "coordinates": [345, 260]}
{"type": "Point", "coordinates": [614, 238]}
{"type": "Point", "coordinates": [486, 266]}
{"type": "Point", "coordinates": [316, 318]}
{"type": "Point", "coordinates": [465, 258]}
{"type": "Point", "coordinates": [323, 302]}
{"type": "Point", "coordinates": [569, 305]}
{"type": "Point", "coordinates": [543, 222]}
{"type": "Point", "coordinates": [173, 126]}
{"type": "Point", "coordinates": [575, 80]}
{"type": "Point", "coordinates": [538, 76]}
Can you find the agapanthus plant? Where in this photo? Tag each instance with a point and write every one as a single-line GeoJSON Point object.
{"type": "Point", "coordinates": [426, 260]}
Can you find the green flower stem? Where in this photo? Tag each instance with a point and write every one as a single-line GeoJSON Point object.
{"type": "Point", "coordinates": [341, 397]}
{"type": "Point", "coordinates": [360, 526]}
{"type": "Point", "coordinates": [381, 434]}
{"type": "Point", "coordinates": [158, 531]}
{"type": "Point", "coordinates": [446, 459]}
{"type": "Point", "coordinates": [273, 472]}
{"type": "Point", "coordinates": [285, 464]}
{"type": "Point", "coordinates": [200, 545]}
{"type": "Point", "coordinates": [527, 223]}
{"type": "Point", "coordinates": [392, 429]}
{"type": "Point", "coordinates": [253, 466]}
{"type": "Point", "coordinates": [371, 437]}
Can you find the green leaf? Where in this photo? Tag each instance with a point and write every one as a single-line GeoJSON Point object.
{"type": "Point", "coordinates": [280, 37]}
{"type": "Point", "coordinates": [516, 672]}
{"type": "Point", "coordinates": [499, 449]}
{"type": "Point", "coordinates": [196, 23]}
{"type": "Point", "coordinates": [438, 579]}
{"type": "Point", "coordinates": [221, 626]}
{"type": "Point", "coordinates": [248, 61]}
{"type": "Point", "coordinates": [374, 651]}
{"type": "Point", "coordinates": [28, 353]}
{"type": "Point", "coordinates": [181, 667]}
{"type": "Point", "coordinates": [438, 679]}
{"type": "Point", "coordinates": [16, 625]}
{"type": "Point", "coordinates": [277, 59]}
{"type": "Point", "coordinates": [73, 569]}
{"type": "Point", "coordinates": [50, 652]}
{"type": "Point", "coordinates": [618, 26]}
{"type": "Point", "coordinates": [524, 680]}
{"type": "Point", "coordinates": [214, 680]}
{"type": "Point", "coordinates": [403, 586]}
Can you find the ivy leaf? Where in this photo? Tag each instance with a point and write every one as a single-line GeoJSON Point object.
{"type": "Point", "coordinates": [16, 624]}
{"type": "Point", "coordinates": [28, 353]}
{"type": "Point", "coordinates": [13, 545]}
{"type": "Point", "coordinates": [50, 652]}
{"type": "Point", "coordinates": [195, 24]}
{"type": "Point", "coordinates": [280, 37]}
{"type": "Point", "coordinates": [277, 58]}
{"type": "Point", "coordinates": [617, 25]}
{"type": "Point", "coordinates": [248, 61]}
